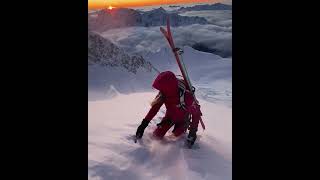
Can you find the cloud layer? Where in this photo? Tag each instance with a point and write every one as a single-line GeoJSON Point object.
{"type": "Point", "coordinates": [216, 37]}
{"type": "Point", "coordinates": [144, 40]}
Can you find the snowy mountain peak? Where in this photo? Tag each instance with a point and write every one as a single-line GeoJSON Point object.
{"type": "Point", "coordinates": [103, 52]}
{"type": "Point", "coordinates": [158, 10]}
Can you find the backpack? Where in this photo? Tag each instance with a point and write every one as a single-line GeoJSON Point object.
{"type": "Point", "coordinates": [182, 91]}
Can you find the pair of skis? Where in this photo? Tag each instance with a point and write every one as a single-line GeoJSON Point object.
{"type": "Point", "coordinates": [167, 34]}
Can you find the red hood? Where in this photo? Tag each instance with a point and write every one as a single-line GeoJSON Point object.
{"type": "Point", "coordinates": [167, 83]}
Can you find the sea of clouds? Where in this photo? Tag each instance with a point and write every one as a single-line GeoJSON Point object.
{"type": "Point", "coordinates": [216, 36]}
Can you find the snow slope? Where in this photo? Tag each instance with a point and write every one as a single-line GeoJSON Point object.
{"type": "Point", "coordinates": [114, 155]}
{"type": "Point", "coordinates": [102, 79]}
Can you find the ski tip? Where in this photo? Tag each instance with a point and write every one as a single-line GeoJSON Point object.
{"type": "Point", "coordinates": [163, 30]}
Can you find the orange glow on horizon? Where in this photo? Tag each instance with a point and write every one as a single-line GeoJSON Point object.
{"type": "Point", "coordinates": [110, 4]}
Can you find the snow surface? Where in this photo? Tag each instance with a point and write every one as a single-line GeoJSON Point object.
{"type": "Point", "coordinates": [103, 79]}
{"type": "Point", "coordinates": [114, 155]}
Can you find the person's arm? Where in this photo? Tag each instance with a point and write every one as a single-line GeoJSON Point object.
{"type": "Point", "coordinates": [156, 105]}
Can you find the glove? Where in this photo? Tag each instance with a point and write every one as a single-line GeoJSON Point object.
{"type": "Point", "coordinates": [141, 128]}
{"type": "Point", "coordinates": [191, 137]}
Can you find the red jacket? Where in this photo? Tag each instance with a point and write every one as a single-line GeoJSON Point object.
{"type": "Point", "coordinates": [167, 84]}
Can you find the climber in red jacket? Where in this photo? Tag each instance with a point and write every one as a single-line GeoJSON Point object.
{"type": "Point", "coordinates": [177, 114]}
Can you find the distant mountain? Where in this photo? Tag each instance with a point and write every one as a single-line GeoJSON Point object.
{"type": "Point", "coordinates": [103, 52]}
{"type": "Point", "coordinates": [216, 6]}
{"type": "Point", "coordinates": [122, 17]}
{"type": "Point", "coordinates": [158, 17]}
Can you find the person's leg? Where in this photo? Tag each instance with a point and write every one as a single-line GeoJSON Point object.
{"type": "Point", "coordinates": [160, 131]}
{"type": "Point", "coordinates": [179, 130]}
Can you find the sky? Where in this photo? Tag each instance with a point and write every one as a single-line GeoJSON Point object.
{"type": "Point", "coordinates": [98, 4]}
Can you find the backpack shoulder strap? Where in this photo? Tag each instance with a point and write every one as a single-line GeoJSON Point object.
{"type": "Point", "coordinates": [182, 91]}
